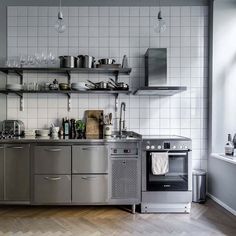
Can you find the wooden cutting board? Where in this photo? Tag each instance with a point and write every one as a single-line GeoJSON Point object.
{"type": "Point", "coordinates": [94, 124]}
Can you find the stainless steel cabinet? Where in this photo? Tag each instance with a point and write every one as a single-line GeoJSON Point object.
{"type": "Point", "coordinates": [52, 160]}
{"type": "Point", "coordinates": [17, 172]}
{"type": "Point", "coordinates": [1, 172]}
{"type": "Point", "coordinates": [125, 179]}
{"type": "Point", "coordinates": [52, 189]}
{"type": "Point", "coordinates": [89, 159]}
{"type": "Point", "coordinates": [89, 189]}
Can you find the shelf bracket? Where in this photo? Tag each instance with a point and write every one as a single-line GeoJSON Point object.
{"type": "Point", "coordinates": [20, 74]}
{"type": "Point", "coordinates": [116, 73]}
{"type": "Point", "coordinates": [69, 101]}
{"type": "Point", "coordinates": [21, 101]}
{"type": "Point", "coordinates": [68, 73]}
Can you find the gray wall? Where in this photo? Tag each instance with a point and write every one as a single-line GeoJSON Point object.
{"type": "Point", "coordinates": [222, 175]}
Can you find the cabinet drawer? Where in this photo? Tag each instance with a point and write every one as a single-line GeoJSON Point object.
{"type": "Point", "coordinates": [52, 160]}
{"type": "Point", "coordinates": [52, 189]}
{"type": "Point", "coordinates": [89, 188]}
{"type": "Point", "coordinates": [89, 159]}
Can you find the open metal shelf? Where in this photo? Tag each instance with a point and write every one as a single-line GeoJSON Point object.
{"type": "Point", "coordinates": [67, 71]}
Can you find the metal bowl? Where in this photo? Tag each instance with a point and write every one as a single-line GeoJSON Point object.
{"type": "Point", "coordinates": [106, 61]}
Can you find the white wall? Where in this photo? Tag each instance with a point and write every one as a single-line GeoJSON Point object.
{"type": "Point", "coordinates": [113, 32]}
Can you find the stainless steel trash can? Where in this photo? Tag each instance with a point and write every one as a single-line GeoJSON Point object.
{"type": "Point", "coordinates": [199, 186]}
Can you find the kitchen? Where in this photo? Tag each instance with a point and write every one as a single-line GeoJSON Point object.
{"type": "Point", "coordinates": [156, 99]}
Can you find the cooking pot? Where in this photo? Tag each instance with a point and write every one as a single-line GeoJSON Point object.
{"type": "Point", "coordinates": [86, 61]}
{"type": "Point", "coordinates": [68, 61]}
{"type": "Point", "coordinates": [99, 85]}
{"type": "Point", "coordinates": [106, 61]}
{"type": "Point", "coordinates": [119, 85]}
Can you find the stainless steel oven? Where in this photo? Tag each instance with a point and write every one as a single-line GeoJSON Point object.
{"type": "Point", "coordinates": [170, 192]}
{"type": "Point", "coordinates": [177, 177]}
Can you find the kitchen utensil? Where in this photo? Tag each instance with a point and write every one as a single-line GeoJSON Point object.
{"type": "Point", "coordinates": [86, 61]}
{"type": "Point", "coordinates": [94, 123]}
{"type": "Point", "coordinates": [106, 61]}
{"type": "Point", "coordinates": [68, 61]}
{"type": "Point", "coordinates": [64, 86]}
{"type": "Point", "coordinates": [125, 62]}
{"type": "Point", "coordinates": [99, 85]}
{"type": "Point", "coordinates": [79, 86]}
{"type": "Point", "coordinates": [110, 118]}
{"type": "Point", "coordinates": [120, 85]}
{"type": "Point", "coordinates": [30, 132]}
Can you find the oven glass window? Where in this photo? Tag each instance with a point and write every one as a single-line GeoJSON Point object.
{"type": "Point", "coordinates": [177, 177]}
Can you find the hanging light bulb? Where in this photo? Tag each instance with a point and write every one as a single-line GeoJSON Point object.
{"type": "Point", "coordinates": [159, 23]}
{"type": "Point", "coordinates": [60, 25]}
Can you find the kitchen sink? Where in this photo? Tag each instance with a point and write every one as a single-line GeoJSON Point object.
{"type": "Point", "coordinates": [126, 135]}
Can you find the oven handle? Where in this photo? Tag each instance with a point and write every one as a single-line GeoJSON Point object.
{"type": "Point", "coordinates": [177, 153]}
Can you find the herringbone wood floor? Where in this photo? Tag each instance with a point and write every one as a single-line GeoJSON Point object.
{"type": "Point", "coordinates": [208, 219]}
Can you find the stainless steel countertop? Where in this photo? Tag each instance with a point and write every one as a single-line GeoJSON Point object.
{"type": "Point", "coordinates": [131, 137]}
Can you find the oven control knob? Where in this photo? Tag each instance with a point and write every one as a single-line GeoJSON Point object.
{"type": "Point", "coordinates": [152, 147]}
{"type": "Point", "coordinates": [174, 147]}
{"type": "Point", "coordinates": [181, 147]}
{"type": "Point", "coordinates": [147, 147]}
{"type": "Point", "coordinates": [185, 147]}
{"type": "Point", "coordinates": [159, 147]}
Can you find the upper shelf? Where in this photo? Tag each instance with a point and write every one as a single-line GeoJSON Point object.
{"type": "Point", "coordinates": [65, 70]}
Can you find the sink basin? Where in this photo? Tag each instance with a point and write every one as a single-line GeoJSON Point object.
{"type": "Point", "coordinates": [126, 135]}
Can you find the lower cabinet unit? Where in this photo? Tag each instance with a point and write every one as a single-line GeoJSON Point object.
{"type": "Point", "coordinates": [125, 179]}
{"type": "Point", "coordinates": [17, 172]}
{"type": "Point", "coordinates": [88, 189]}
{"type": "Point", "coordinates": [52, 189]}
{"type": "Point", "coordinates": [1, 172]}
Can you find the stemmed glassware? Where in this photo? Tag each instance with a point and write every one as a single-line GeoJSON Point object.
{"type": "Point", "coordinates": [38, 59]}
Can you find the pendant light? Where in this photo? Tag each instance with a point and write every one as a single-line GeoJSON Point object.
{"type": "Point", "coordinates": [60, 25]}
{"type": "Point", "coordinates": [159, 23]}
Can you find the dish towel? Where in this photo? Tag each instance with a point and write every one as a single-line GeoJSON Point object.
{"type": "Point", "coordinates": [160, 163]}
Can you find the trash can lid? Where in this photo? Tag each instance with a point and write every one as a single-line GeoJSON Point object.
{"type": "Point", "coordinates": [199, 172]}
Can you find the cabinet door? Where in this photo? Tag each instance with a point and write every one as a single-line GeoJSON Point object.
{"type": "Point", "coordinates": [125, 179]}
{"type": "Point", "coordinates": [52, 189]}
{"type": "Point", "coordinates": [17, 172]}
{"type": "Point", "coordinates": [1, 172]}
{"type": "Point", "coordinates": [90, 159]}
{"type": "Point", "coordinates": [52, 160]}
{"type": "Point", "coordinates": [89, 188]}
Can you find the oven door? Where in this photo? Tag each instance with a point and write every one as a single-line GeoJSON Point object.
{"type": "Point", "coordinates": [177, 177]}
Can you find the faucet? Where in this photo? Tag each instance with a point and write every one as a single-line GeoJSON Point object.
{"type": "Point", "coordinates": [122, 108]}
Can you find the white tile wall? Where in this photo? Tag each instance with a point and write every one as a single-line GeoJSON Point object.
{"type": "Point", "coordinates": [113, 32]}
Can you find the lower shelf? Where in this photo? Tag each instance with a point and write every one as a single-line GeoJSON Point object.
{"type": "Point", "coordinates": [67, 93]}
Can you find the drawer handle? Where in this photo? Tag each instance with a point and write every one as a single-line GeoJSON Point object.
{"type": "Point", "coordinates": [53, 150]}
{"type": "Point", "coordinates": [52, 178]}
{"type": "Point", "coordinates": [16, 147]}
{"type": "Point", "coordinates": [89, 177]}
{"type": "Point", "coordinates": [89, 148]}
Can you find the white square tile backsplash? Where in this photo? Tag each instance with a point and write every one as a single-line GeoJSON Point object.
{"type": "Point", "coordinates": [113, 32]}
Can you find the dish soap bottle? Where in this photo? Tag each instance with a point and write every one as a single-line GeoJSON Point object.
{"type": "Point", "coordinates": [229, 147]}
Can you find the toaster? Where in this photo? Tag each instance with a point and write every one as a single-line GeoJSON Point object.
{"type": "Point", "coordinates": [14, 127]}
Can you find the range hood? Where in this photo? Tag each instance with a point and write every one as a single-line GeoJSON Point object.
{"type": "Point", "coordinates": [156, 75]}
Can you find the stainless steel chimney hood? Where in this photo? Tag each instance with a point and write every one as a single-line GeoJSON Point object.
{"type": "Point", "coordinates": [156, 75]}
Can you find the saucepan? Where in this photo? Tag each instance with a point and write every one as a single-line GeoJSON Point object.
{"type": "Point", "coordinates": [68, 61]}
{"type": "Point", "coordinates": [119, 85]}
{"type": "Point", "coordinates": [98, 85]}
{"type": "Point", "coordinates": [106, 61]}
